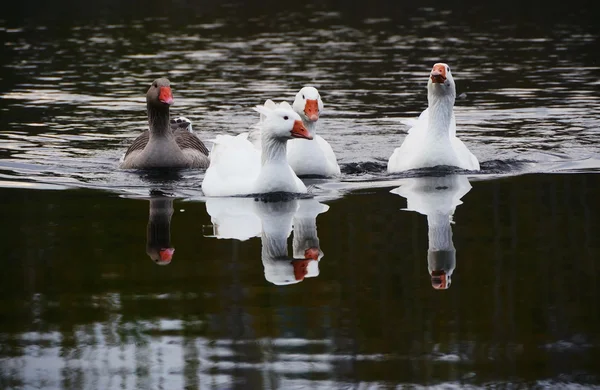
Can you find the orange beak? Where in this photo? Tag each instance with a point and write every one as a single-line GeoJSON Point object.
{"type": "Point", "coordinates": [166, 254]}
{"type": "Point", "coordinates": [311, 109]}
{"type": "Point", "coordinates": [438, 74]}
{"type": "Point", "coordinates": [311, 253]}
{"type": "Point", "coordinates": [299, 131]}
{"type": "Point", "coordinates": [439, 280]}
{"type": "Point", "coordinates": [165, 95]}
{"type": "Point", "coordinates": [300, 268]}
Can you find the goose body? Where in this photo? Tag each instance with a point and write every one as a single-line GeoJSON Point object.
{"type": "Point", "coordinates": [432, 139]}
{"type": "Point", "coordinates": [167, 144]}
{"type": "Point", "coordinates": [238, 168]}
{"type": "Point", "coordinates": [315, 157]}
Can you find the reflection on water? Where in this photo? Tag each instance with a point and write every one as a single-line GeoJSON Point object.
{"type": "Point", "coordinates": [233, 218]}
{"type": "Point", "coordinates": [276, 219]}
{"type": "Point", "coordinates": [437, 198]}
{"type": "Point", "coordinates": [158, 238]}
{"type": "Point", "coordinates": [81, 307]}
{"type": "Point", "coordinates": [273, 221]}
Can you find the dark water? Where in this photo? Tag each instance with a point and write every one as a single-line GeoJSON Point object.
{"type": "Point", "coordinates": [331, 292]}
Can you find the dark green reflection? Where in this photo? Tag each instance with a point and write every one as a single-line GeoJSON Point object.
{"type": "Point", "coordinates": [82, 306]}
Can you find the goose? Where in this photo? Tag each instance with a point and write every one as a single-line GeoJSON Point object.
{"type": "Point", "coordinates": [437, 198]}
{"type": "Point", "coordinates": [167, 144]}
{"type": "Point", "coordinates": [238, 168]}
{"type": "Point", "coordinates": [313, 158]}
{"type": "Point", "coordinates": [432, 140]}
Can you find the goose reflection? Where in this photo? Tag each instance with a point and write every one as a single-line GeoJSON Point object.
{"type": "Point", "coordinates": [278, 219]}
{"type": "Point", "coordinates": [437, 198]}
{"type": "Point", "coordinates": [158, 237]}
{"type": "Point", "coordinates": [233, 218]}
{"type": "Point", "coordinates": [244, 218]}
{"type": "Point", "coordinates": [306, 241]}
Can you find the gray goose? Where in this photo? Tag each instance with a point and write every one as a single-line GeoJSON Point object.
{"type": "Point", "coordinates": [168, 143]}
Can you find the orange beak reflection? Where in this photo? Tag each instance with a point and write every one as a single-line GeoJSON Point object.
{"type": "Point", "coordinates": [312, 253]}
{"type": "Point", "coordinates": [166, 255]}
{"type": "Point", "coordinates": [300, 268]}
{"type": "Point", "coordinates": [311, 109]}
{"type": "Point", "coordinates": [299, 131]}
{"type": "Point", "coordinates": [438, 74]}
{"type": "Point", "coordinates": [439, 280]}
{"type": "Point", "coordinates": [165, 95]}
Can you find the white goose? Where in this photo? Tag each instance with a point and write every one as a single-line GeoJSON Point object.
{"type": "Point", "coordinates": [315, 157]}
{"type": "Point", "coordinates": [432, 140]}
{"type": "Point", "coordinates": [237, 168]}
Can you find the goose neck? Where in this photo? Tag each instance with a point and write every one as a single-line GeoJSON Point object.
{"type": "Point", "coordinates": [441, 111]}
{"type": "Point", "coordinates": [273, 246]}
{"type": "Point", "coordinates": [440, 232]}
{"type": "Point", "coordinates": [311, 126]}
{"type": "Point", "coordinates": [274, 150]}
{"type": "Point", "coordinates": [159, 121]}
{"type": "Point", "coordinates": [305, 235]}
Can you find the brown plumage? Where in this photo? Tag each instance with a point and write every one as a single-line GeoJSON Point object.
{"type": "Point", "coordinates": [183, 137]}
{"type": "Point", "coordinates": [167, 144]}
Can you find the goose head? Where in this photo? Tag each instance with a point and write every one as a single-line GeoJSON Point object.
{"type": "Point", "coordinates": [441, 265]}
{"type": "Point", "coordinates": [441, 83]}
{"type": "Point", "coordinates": [159, 94]}
{"type": "Point", "coordinates": [282, 124]}
{"type": "Point", "coordinates": [308, 104]}
{"type": "Point", "coordinates": [161, 256]}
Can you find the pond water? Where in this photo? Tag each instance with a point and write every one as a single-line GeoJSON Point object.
{"type": "Point", "coordinates": [366, 285]}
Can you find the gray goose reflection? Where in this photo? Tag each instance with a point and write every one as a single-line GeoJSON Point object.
{"type": "Point", "coordinates": [158, 236]}
{"type": "Point", "coordinates": [244, 218]}
{"type": "Point", "coordinates": [437, 198]}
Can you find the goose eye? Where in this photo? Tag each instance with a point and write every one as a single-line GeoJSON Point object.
{"type": "Point", "coordinates": [303, 97]}
{"type": "Point", "coordinates": [285, 118]}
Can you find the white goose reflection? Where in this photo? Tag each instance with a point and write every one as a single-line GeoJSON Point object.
{"type": "Point", "coordinates": [244, 218]}
{"type": "Point", "coordinates": [437, 198]}
{"type": "Point", "coordinates": [233, 218]}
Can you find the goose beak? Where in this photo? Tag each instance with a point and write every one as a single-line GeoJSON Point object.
{"type": "Point", "coordinates": [312, 253]}
{"type": "Point", "coordinates": [438, 74]}
{"type": "Point", "coordinates": [439, 280]}
{"type": "Point", "coordinates": [299, 131]}
{"type": "Point", "coordinates": [166, 254]}
{"type": "Point", "coordinates": [311, 110]}
{"type": "Point", "coordinates": [165, 95]}
{"type": "Point", "coordinates": [300, 268]}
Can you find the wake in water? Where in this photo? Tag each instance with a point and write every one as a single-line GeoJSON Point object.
{"type": "Point", "coordinates": [377, 170]}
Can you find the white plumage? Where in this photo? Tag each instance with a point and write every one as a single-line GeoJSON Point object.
{"type": "Point", "coordinates": [432, 139]}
